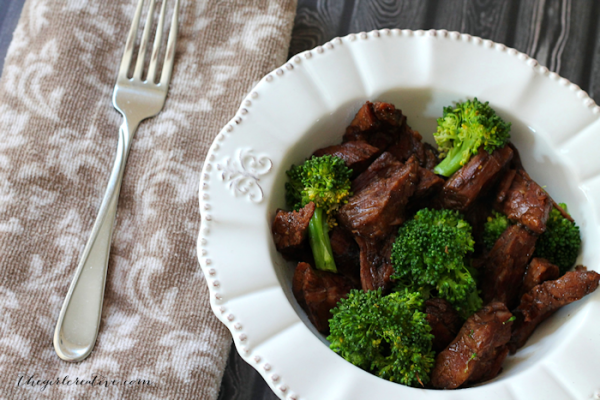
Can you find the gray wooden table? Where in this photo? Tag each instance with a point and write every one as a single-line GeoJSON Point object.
{"type": "Point", "coordinates": [563, 35]}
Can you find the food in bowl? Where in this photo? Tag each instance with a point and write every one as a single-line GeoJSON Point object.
{"type": "Point", "coordinates": [427, 273]}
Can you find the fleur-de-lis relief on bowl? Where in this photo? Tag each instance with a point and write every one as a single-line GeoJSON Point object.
{"type": "Point", "coordinates": [242, 174]}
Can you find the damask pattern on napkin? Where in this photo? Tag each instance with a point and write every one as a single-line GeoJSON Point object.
{"type": "Point", "coordinates": [58, 136]}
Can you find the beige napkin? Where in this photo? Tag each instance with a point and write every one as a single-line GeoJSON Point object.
{"type": "Point", "coordinates": [58, 136]}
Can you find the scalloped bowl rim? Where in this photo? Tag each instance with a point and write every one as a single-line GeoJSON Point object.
{"type": "Point", "coordinates": [268, 327]}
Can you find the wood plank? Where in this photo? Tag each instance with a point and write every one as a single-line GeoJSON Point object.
{"type": "Point", "coordinates": [242, 382]}
{"type": "Point", "coordinates": [318, 21]}
{"type": "Point", "coordinates": [593, 74]}
{"type": "Point", "coordinates": [560, 35]}
{"type": "Point", "coordinates": [488, 19]}
{"type": "Point", "coordinates": [368, 15]}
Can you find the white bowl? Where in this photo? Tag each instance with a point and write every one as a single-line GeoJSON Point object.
{"type": "Point", "coordinates": [305, 105]}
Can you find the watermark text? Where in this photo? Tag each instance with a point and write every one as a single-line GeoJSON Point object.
{"type": "Point", "coordinates": [35, 381]}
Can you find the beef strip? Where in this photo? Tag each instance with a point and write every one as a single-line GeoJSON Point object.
{"type": "Point", "coordinates": [290, 229]}
{"type": "Point", "coordinates": [431, 157]}
{"type": "Point", "coordinates": [504, 268]}
{"type": "Point", "coordinates": [477, 215]}
{"type": "Point", "coordinates": [539, 270]}
{"type": "Point", "coordinates": [474, 179]}
{"type": "Point", "coordinates": [375, 265]}
{"type": "Point", "coordinates": [477, 353]}
{"type": "Point", "coordinates": [544, 299]}
{"type": "Point", "coordinates": [378, 202]}
{"type": "Point", "coordinates": [428, 186]}
{"type": "Point", "coordinates": [426, 191]}
{"type": "Point", "coordinates": [444, 321]}
{"type": "Point", "coordinates": [377, 206]}
{"type": "Point", "coordinates": [526, 202]}
{"type": "Point", "coordinates": [357, 154]}
{"type": "Point", "coordinates": [384, 126]}
{"type": "Point", "coordinates": [370, 261]}
{"type": "Point", "coordinates": [410, 143]}
{"type": "Point", "coordinates": [386, 268]}
{"type": "Point", "coordinates": [379, 124]}
{"type": "Point", "coordinates": [365, 120]}
{"type": "Point", "coordinates": [516, 165]}
{"type": "Point", "coordinates": [490, 366]}
{"type": "Point", "coordinates": [346, 254]}
{"type": "Point", "coordinates": [388, 114]}
{"type": "Point", "coordinates": [381, 168]}
{"type": "Point", "coordinates": [504, 185]}
{"type": "Point", "coordinates": [318, 292]}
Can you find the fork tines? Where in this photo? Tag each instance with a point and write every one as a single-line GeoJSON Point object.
{"type": "Point", "coordinates": [131, 39]}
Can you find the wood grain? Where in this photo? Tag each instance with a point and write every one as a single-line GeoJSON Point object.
{"type": "Point", "coordinates": [593, 67]}
{"type": "Point", "coordinates": [242, 382]}
{"type": "Point", "coordinates": [489, 19]}
{"type": "Point", "coordinates": [561, 34]}
{"type": "Point", "coordinates": [318, 21]}
{"type": "Point", "coordinates": [368, 15]}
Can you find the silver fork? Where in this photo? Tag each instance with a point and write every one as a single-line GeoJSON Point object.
{"type": "Point", "coordinates": [136, 99]}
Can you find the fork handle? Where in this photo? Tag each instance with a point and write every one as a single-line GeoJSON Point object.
{"type": "Point", "coordinates": [79, 319]}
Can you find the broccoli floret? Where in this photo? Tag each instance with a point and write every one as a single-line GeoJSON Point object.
{"type": "Point", "coordinates": [325, 181]}
{"type": "Point", "coordinates": [388, 336]}
{"type": "Point", "coordinates": [495, 225]}
{"type": "Point", "coordinates": [463, 129]}
{"type": "Point", "coordinates": [561, 242]}
{"type": "Point", "coordinates": [294, 187]}
{"type": "Point", "coordinates": [429, 255]}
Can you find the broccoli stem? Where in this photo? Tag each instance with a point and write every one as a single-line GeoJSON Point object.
{"type": "Point", "coordinates": [452, 162]}
{"type": "Point", "coordinates": [318, 236]}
